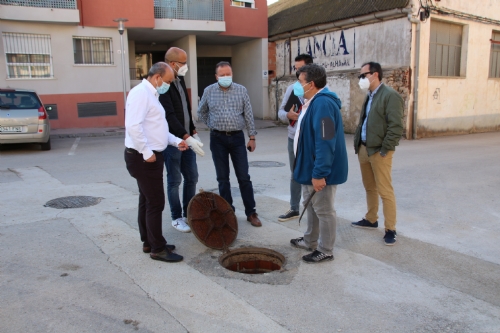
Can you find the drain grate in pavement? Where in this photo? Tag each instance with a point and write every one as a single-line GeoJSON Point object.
{"type": "Point", "coordinates": [266, 164]}
{"type": "Point", "coordinates": [73, 202]}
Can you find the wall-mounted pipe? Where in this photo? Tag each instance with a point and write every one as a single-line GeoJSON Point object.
{"type": "Point", "coordinates": [414, 115]}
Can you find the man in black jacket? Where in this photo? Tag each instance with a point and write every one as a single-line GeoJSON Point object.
{"type": "Point", "coordinates": [180, 164]}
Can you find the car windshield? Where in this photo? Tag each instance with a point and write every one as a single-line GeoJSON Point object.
{"type": "Point", "coordinates": [18, 100]}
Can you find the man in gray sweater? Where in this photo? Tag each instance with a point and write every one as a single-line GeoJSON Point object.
{"type": "Point", "coordinates": [289, 112]}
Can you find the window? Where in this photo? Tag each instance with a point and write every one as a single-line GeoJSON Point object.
{"type": "Point", "coordinates": [244, 3]}
{"type": "Point", "coordinates": [495, 55]}
{"type": "Point", "coordinates": [92, 51]}
{"type": "Point", "coordinates": [445, 52]}
{"type": "Point", "coordinates": [28, 56]}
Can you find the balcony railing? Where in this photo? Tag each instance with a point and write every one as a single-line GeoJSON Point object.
{"type": "Point", "coordinates": [203, 10]}
{"type": "Point", "coordinates": [64, 4]}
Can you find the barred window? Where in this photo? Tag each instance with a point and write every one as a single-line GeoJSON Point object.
{"type": "Point", "coordinates": [495, 55]}
{"type": "Point", "coordinates": [93, 51]}
{"type": "Point", "coordinates": [445, 51]}
{"type": "Point", "coordinates": [28, 56]}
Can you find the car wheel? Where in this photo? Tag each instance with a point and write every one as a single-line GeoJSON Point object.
{"type": "Point", "coordinates": [46, 145]}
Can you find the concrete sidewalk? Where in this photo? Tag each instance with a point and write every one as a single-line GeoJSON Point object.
{"type": "Point", "coordinates": [120, 131]}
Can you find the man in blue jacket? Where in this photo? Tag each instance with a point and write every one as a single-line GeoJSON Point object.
{"type": "Point", "coordinates": [320, 162]}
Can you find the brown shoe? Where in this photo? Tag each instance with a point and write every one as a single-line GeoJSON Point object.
{"type": "Point", "coordinates": [254, 220]}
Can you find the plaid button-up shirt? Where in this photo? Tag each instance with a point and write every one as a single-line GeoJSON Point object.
{"type": "Point", "coordinates": [228, 110]}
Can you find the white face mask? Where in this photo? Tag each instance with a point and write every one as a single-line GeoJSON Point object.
{"type": "Point", "coordinates": [183, 70]}
{"type": "Point", "coordinates": [364, 84]}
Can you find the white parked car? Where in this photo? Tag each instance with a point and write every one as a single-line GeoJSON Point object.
{"type": "Point", "coordinates": [23, 118]}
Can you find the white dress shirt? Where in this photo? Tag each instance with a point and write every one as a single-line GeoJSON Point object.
{"type": "Point", "coordinates": [146, 128]}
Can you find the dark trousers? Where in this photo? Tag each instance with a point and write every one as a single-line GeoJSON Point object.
{"type": "Point", "coordinates": [149, 178]}
{"type": "Point", "coordinates": [223, 146]}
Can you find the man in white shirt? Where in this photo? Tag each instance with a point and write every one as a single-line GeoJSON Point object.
{"type": "Point", "coordinates": [146, 136]}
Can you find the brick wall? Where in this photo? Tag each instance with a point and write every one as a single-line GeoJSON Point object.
{"type": "Point", "coordinates": [345, 84]}
{"type": "Point", "coordinates": [271, 66]}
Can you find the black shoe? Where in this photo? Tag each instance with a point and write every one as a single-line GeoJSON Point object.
{"type": "Point", "coordinates": [147, 249]}
{"type": "Point", "coordinates": [316, 257]}
{"type": "Point", "coordinates": [291, 214]}
{"type": "Point", "coordinates": [365, 224]}
{"type": "Point", "coordinates": [390, 237]}
{"type": "Point", "coordinates": [167, 256]}
{"type": "Point", "coordinates": [300, 243]}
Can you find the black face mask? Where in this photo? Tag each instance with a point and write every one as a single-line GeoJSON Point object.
{"type": "Point", "coordinates": [297, 74]}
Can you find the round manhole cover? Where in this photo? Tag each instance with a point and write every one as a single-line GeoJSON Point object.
{"type": "Point", "coordinates": [73, 202]}
{"type": "Point", "coordinates": [212, 220]}
{"type": "Point", "coordinates": [266, 164]}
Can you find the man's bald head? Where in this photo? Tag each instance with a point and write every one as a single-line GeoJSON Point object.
{"type": "Point", "coordinates": [176, 58]}
{"type": "Point", "coordinates": [175, 54]}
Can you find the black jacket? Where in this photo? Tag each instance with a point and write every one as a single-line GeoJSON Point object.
{"type": "Point", "coordinates": [174, 113]}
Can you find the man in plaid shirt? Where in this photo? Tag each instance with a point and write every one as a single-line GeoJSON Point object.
{"type": "Point", "coordinates": [225, 108]}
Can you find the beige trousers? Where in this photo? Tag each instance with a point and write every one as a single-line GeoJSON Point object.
{"type": "Point", "coordinates": [377, 180]}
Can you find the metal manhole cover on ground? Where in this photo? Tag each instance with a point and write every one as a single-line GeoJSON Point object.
{"type": "Point", "coordinates": [73, 202]}
{"type": "Point", "coordinates": [266, 164]}
{"type": "Point", "coordinates": [212, 220]}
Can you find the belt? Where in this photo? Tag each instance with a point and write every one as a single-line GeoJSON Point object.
{"type": "Point", "coordinates": [228, 133]}
{"type": "Point", "coordinates": [135, 152]}
{"type": "Point", "coordinates": [363, 142]}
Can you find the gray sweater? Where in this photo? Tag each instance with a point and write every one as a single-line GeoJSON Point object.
{"type": "Point", "coordinates": [282, 113]}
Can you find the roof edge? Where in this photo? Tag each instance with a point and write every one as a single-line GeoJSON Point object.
{"type": "Point", "coordinates": [346, 23]}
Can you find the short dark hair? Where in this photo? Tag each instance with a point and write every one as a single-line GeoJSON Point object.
{"type": "Point", "coordinates": [375, 68]}
{"type": "Point", "coordinates": [306, 58]}
{"type": "Point", "coordinates": [314, 73]}
{"type": "Point", "coordinates": [158, 68]}
{"type": "Point", "coordinates": [222, 64]}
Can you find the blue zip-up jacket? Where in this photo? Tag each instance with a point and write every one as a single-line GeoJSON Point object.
{"type": "Point", "coordinates": [321, 150]}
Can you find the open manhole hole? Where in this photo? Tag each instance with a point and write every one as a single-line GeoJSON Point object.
{"type": "Point", "coordinates": [213, 222]}
{"type": "Point", "coordinates": [252, 260]}
{"type": "Point", "coordinates": [266, 164]}
{"type": "Point", "coordinates": [73, 202]}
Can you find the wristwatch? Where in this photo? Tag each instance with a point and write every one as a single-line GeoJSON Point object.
{"type": "Point", "coordinates": [383, 154]}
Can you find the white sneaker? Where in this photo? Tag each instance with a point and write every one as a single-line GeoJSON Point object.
{"type": "Point", "coordinates": [180, 225]}
{"type": "Point", "coordinates": [184, 219]}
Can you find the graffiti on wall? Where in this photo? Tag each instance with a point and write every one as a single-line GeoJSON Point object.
{"type": "Point", "coordinates": [332, 50]}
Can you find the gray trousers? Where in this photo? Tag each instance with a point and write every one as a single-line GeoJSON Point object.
{"type": "Point", "coordinates": [321, 218]}
{"type": "Point", "coordinates": [295, 188]}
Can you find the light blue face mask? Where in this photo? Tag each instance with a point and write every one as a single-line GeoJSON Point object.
{"type": "Point", "coordinates": [298, 89]}
{"type": "Point", "coordinates": [225, 81]}
{"type": "Point", "coordinates": [163, 88]}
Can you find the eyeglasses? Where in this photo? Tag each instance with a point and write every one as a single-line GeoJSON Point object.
{"type": "Point", "coordinates": [180, 62]}
{"type": "Point", "coordinates": [363, 75]}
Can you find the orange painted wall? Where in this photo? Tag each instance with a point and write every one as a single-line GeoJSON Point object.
{"type": "Point", "coordinates": [101, 13]}
{"type": "Point", "coordinates": [246, 22]}
{"type": "Point", "coordinates": [68, 114]}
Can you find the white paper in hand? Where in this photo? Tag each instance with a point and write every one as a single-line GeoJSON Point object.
{"type": "Point", "coordinates": [195, 145]}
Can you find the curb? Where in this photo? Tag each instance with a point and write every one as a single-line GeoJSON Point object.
{"type": "Point", "coordinates": [121, 132]}
{"type": "Point", "coordinates": [82, 135]}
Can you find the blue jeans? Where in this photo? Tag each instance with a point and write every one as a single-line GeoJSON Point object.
{"type": "Point", "coordinates": [180, 164]}
{"type": "Point", "coordinates": [222, 146]}
{"type": "Point", "coordinates": [295, 188]}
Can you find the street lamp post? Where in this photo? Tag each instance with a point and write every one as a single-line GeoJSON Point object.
{"type": "Point", "coordinates": [121, 29]}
